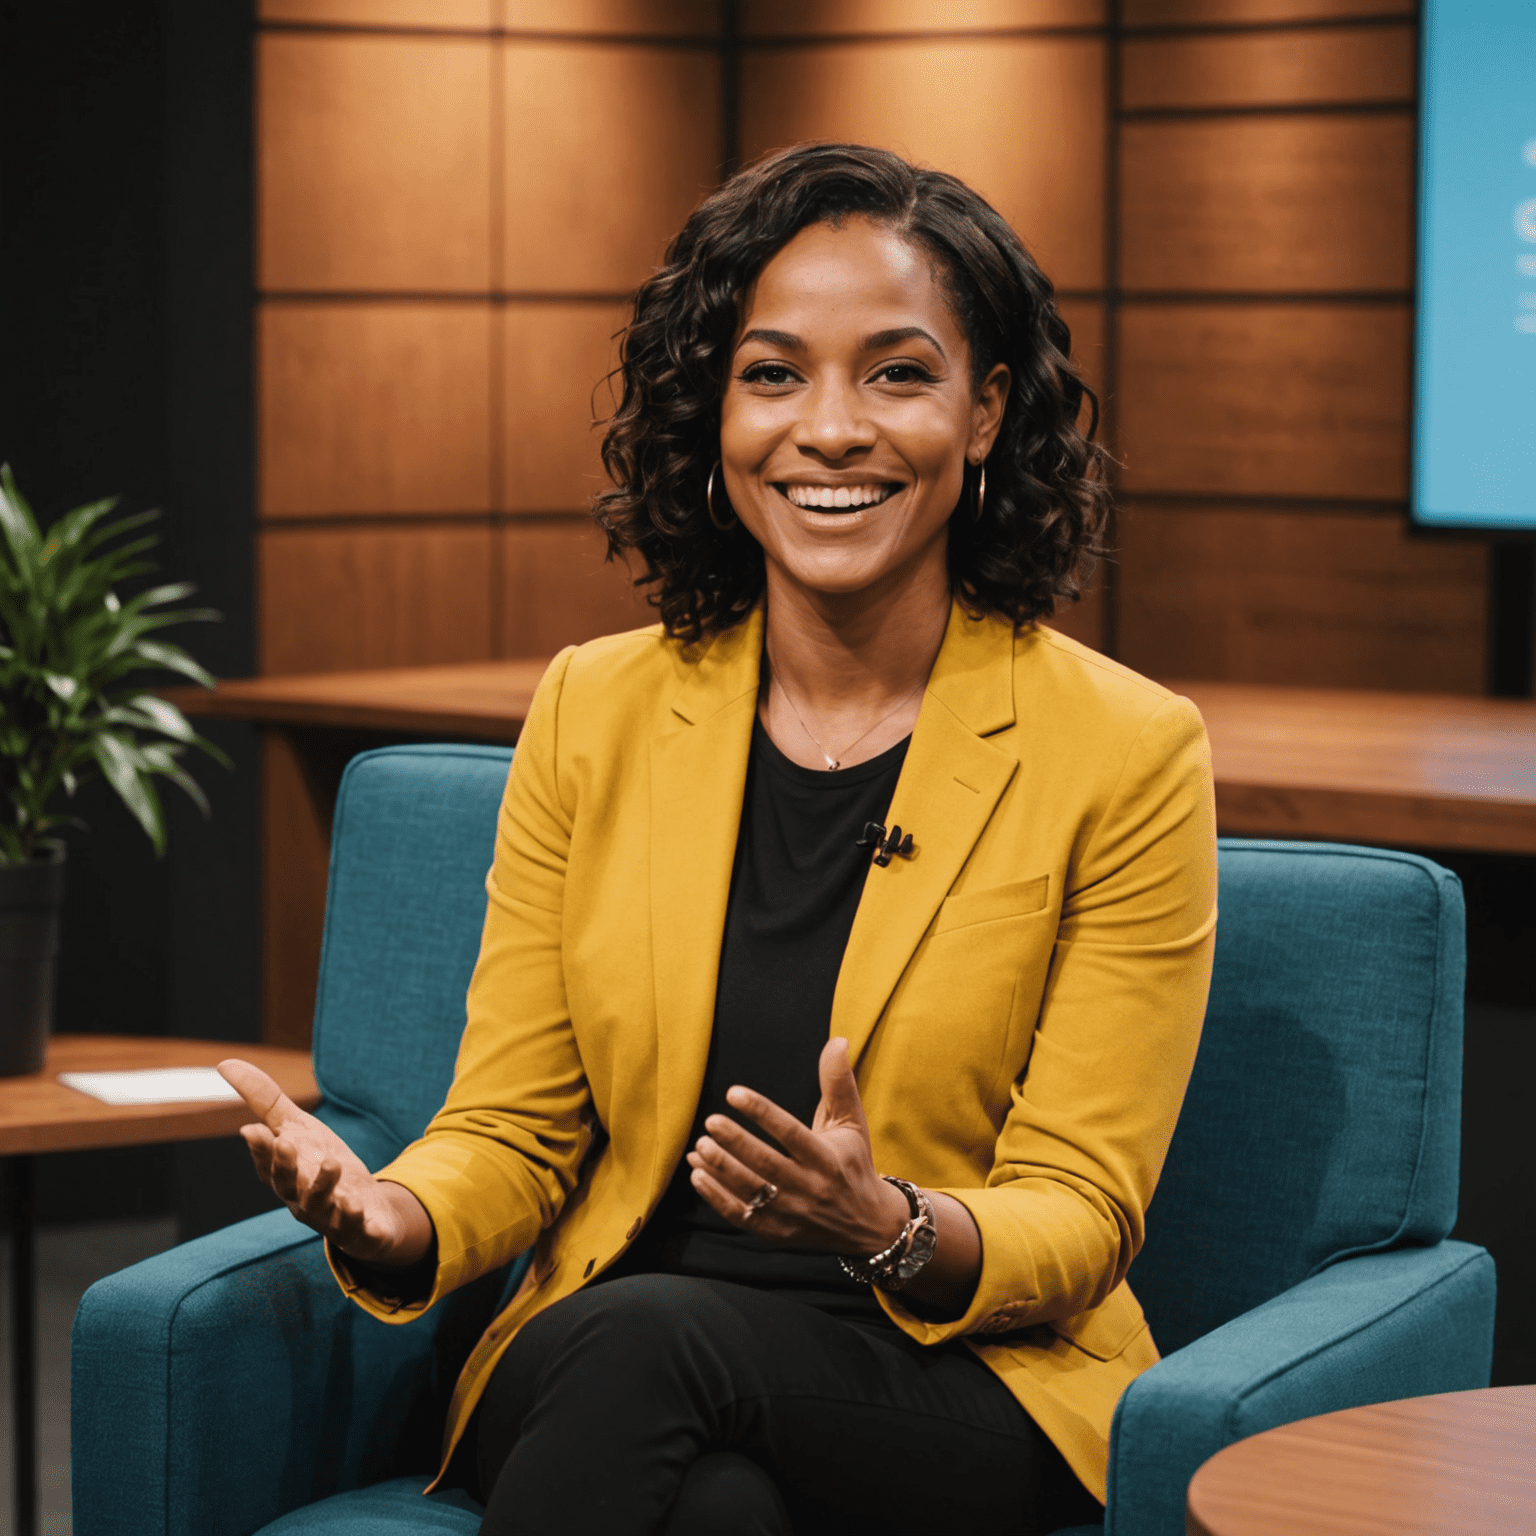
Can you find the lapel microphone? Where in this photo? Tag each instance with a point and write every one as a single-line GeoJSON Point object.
{"type": "Point", "coordinates": [885, 843]}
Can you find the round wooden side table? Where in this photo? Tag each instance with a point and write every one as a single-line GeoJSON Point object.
{"type": "Point", "coordinates": [1458, 1464]}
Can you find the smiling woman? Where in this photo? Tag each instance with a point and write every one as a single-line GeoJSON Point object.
{"type": "Point", "coordinates": [1034, 537]}
{"type": "Point", "coordinates": [833, 1141]}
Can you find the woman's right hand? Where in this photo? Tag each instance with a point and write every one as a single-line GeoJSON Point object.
{"type": "Point", "coordinates": [323, 1182]}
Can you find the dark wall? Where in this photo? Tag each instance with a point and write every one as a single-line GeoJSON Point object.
{"type": "Point", "coordinates": [125, 280]}
{"type": "Point", "coordinates": [1498, 1067]}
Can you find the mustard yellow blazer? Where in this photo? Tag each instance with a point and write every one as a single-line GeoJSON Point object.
{"type": "Point", "coordinates": [1022, 999]}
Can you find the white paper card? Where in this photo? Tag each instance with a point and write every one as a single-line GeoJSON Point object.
{"type": "Point", "coordinates": [153, 1085]}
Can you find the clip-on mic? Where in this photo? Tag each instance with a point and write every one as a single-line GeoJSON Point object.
{"type": "Point", "coordinates": [885, 843]}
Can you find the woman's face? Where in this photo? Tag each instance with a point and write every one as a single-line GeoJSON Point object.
{"type": "Point", "coordinates": [848, 414]}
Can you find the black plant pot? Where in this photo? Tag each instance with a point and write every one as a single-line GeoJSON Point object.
{"type": "Point", "coordinates": [31, 896]}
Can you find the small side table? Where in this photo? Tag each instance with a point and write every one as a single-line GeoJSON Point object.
{"type": "Point", "coordinates": [1425, 1466]}
{"type": "Point", "coordinates": [39, 1114]}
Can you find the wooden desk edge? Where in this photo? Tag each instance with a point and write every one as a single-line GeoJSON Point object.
{"type": "Point", "coordinates": [91, 1125]}
{"type": "Point", "coordinates": [154, 1124]}
{"type": "Point", "coordinates": [1363, 816]}
{"type": "Point", "coordinates": [501, 728]}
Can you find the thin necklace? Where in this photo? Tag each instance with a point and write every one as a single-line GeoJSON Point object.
{"type": "Point", "coordinates": [834, 763]}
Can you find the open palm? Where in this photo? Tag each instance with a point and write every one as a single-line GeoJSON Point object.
{"type": "Point", "coordinates": [322, 1181]}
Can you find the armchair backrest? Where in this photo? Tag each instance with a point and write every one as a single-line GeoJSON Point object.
{"type": "Point", "coordinates": [1323, 1118]}
{"type": "Point", "coordinates": [412, 838]}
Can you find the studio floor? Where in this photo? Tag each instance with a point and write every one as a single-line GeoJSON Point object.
{"type": "Point", "coordinates": [69, 1261]}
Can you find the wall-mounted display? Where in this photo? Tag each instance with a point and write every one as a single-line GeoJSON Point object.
{"type": "Point", "coordinates": [1474, 450]}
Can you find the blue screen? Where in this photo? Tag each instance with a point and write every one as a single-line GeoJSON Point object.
{"type": "Point", "coordinates": [1474, 451]}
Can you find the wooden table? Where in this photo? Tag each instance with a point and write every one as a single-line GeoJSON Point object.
{"type": "Point", "coordinates": [1405, 769]}
{"type": "Point", "coordinates": [1462, 1464]}
{"type": "Point", "coordinates": [1423, 770]}
{"type": "Point", "coordinates": [39, 1114]}
{"type": "Point", "coordinates": [478, 700]}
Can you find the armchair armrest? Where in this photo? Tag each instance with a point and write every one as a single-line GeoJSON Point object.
{"type": "Point", "coordinates": [1367, 1330]}
{"type": "Point", "coordinates": [221, 1384]}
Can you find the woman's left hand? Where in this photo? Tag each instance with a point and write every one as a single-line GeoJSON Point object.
{"type": "Point", "coordinates": [830, 1194]}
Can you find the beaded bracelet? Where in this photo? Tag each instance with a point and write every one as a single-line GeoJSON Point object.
{"type": "Point", "coordinates": [912, 1249]}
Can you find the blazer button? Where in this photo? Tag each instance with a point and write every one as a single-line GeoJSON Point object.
{"type": "Point", "coordinates": [634, 1230]}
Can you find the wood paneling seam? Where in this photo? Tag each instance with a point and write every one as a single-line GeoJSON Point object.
{"type": "Point", "coordinates": [730, 88]}
{"type": "Point", "coordinates": [433, 296]}
{"type": "Point", "coordinates": [1114, 92]}
{"type": "Point", "coordinates": [275, 521]}
{"type": "Point", "coordinates": [938, 35]}
{"type": "Point", "coordinates": [495, 575]}
{"type": "Point", "coordinates": [1324, 296]}
{"type": "Point", "coordinates": [684, 40]}
{"type": "Point", "coordinates": [1245, 28]}
{"type": "Point", "coordinates": [1257, 501]}
{"type": "Point", "coordinates": [1376, 108]}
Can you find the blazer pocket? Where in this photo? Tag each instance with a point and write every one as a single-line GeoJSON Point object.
{"type": "Point", "coordinates": [1016, 899]}
{"type": "Point", "coordinates": [1105, 1330]}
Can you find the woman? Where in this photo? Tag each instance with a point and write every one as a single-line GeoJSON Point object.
{"type": "Point", "coordinates": [848, 933]}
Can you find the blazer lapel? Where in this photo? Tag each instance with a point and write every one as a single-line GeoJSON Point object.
{"type": "Point", "coordinates": [950, 784]}
{"type": "Point", "coordinates": [698, 780]}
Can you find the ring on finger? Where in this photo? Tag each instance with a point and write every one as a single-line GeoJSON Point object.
{"type": "Point", "coordinates": [765, 1196]}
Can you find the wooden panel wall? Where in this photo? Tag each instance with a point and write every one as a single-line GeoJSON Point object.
{"type": "Point", "coordinates": [455, 195]}
{"type": "Point", "coordinates": [1261, 342]}
{"type": "Point", "coordinates": [454, 198]}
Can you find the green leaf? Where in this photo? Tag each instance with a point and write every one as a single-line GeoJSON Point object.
{"type": "Point", "coordinates": [116, 563]}
{"type": "Point", "coordinates": [163, 760]}
{"type": "Point", "coordinates": [183, 616]}
{"type": "Point", "coordinates": [131, 626]}
{"type": "Point", "coordinates": [151, 712]}
{"type": "Point", "coordinates": [172, 658]}
{"type": "Point", "coordinates": [16, 519]}
{"type": "Point", "coordinates": [116, 530]}
{"type": "Point", "coordinates": [122, 765]}
{"type": "Point", "coordinates": [171, 592]}
{"type": "Point", "coordinates": [73, 526]}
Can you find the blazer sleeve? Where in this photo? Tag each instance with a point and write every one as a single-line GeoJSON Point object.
{"type": "Point", "coordinates": [1062, 1213]}
{"type": "Point", "coordinates": [493, 1173]}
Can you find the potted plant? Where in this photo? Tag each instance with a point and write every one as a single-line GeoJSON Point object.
{"type": "Point", "coordinates": [73, 704]}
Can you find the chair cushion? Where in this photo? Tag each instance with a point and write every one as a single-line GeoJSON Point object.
{"type": "Point", "coordinates": [387, 1509]}
{"type": "Point", "coordinates": [412, 838]}
{"type": "Point", "coordinates": [1323, 1115]}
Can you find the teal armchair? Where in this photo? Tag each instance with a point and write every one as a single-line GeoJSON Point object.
{"type": "Point", "coordinates": [1296, 1262]}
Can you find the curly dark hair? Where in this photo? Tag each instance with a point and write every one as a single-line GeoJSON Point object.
{"type": "Point", "coordinates": [1047, 500]}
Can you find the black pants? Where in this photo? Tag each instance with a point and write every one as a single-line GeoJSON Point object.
{"type": "Point", "coordinates": [658, 1403]}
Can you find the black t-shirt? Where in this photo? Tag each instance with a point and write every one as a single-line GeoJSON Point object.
{"type": "Point", "coordinates": [795, 887]}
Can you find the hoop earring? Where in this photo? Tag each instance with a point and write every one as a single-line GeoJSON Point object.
{"type": "Point", "coordinates": [981, 495]}
{"type": "Point", "coordinates": [709, 502]}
